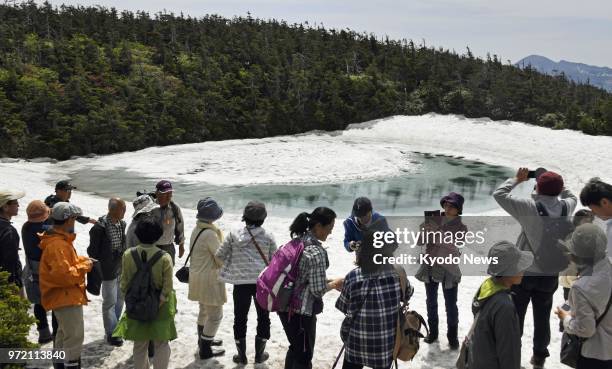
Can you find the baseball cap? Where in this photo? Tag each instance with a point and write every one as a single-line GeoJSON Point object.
{"type": "Point", "coordinates": [65, 210]}
{"type": "Point", "coordinates": [64, 185]}
{"type": "Point", "coordinates": [164, 186]}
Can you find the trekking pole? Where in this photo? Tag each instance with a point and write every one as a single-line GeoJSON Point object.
{"type": "Point", "coordinates": [338, 357]}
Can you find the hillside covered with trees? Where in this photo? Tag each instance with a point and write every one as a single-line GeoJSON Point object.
{"type": "Point", "coordinates": [80, 80]}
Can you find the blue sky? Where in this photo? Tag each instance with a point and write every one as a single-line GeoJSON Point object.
{"type": "Point", "coordinates": [579, 31]}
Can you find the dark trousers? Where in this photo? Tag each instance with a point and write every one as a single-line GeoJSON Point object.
{"type": "Point", "coordinates": [301, 331]}
{"type": "Point", "coordinates": [243, 295]}
{"type": "Point", "coordinates": [587, 363]}
{"type": "Point", "coordinates": [41, 318]}
{"type": "Point", "coordinates": [566, 293]}
{"type": "Point", "coordinates": [450, 301]}
{"type": "Point", "coordinates": [170, 249]}
{"type": "Point", "coordinates": [538, 290]}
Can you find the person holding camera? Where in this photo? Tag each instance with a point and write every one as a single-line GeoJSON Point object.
{"type": "Point", "coordinates": [107, 244]}
{"type": "Point", "coordinates": [361, 218]}
{"type": "Point", "coordinates": [552, 199]}
{"type": "Point", "coordinates": [447, 275]}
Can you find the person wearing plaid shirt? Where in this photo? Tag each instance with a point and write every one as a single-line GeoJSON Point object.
{"type": "Point", "coordinates": [300, 324]}
{"type": "Point", "coordinates": [370, 300]}
{"type": "Point", "coordinates": [107, 242]}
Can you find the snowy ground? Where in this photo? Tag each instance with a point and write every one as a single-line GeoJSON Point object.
{"type": "Point", "coordinates": [341, 156]}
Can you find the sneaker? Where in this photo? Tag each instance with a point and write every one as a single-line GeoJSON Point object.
{"type": "Point", "coordinates": [537, 362]}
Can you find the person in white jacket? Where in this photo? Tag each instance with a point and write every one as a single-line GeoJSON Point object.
{"type": "Point", "coordinates": [590, 298]}
{"type": "Point", "coordinates": [537, 287]}
{"type": "Point", "coordinates": [204, 284]}
{"type": "Point", "coordinates": [245, 253]}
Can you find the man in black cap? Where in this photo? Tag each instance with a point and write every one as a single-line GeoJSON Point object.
{"type": "Point", "coordinates": [361, 218]}
{"type": "Point", "coordinates": [63, 192]}
{"type": "Point", "coordinates": [171, 218]}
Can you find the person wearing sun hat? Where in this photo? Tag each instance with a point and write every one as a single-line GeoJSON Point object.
{"type": "Point", "coordinates": [245, 253]}
{"type": "Point", "coordinates": [143, 208]}
{"type": "Point", "coordinates": [37, 213]}
{"type": "Point", "coordinates": [204, 284]}
{"type": "Point", "coordinates": [590, 297]}
{"type": "Point", "coordinates": [9, 237]}
{"type": "Point", "coordinates": [496, 339]}
{"type": "Point", "coordinates": [448, 276]}
{"type": "Point", "coordinates": [62, 281]}
{"type": "Point", "coordinates": [539, 285]}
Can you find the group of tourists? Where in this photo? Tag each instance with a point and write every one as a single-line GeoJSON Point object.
{"type": "Point", "coordinates": [135, 265]}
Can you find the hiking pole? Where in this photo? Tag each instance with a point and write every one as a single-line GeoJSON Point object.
{"type": "Point", "coordinates": [338, 358]}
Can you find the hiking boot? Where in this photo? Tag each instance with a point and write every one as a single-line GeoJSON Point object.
{"type": "Point", "coordinates": [44, 336]}
{"type": "Point", "coordinates": [537, 362]}
{"type": "Point", "coordinates": [151, 349]}
{"type": "Point", "coordinates": [214, 341]}
{"type": "Point", "coordinates": [433, 334]}
{"type": "Point", "coordinates": [206, 351]}
{"type": "Point", "coordinates": [452, 334]}
{"type": "Point", "coordinates": [240, 357]}
{"type": "Point", "coordinates": [114, 341]}
{"type": "Point", "coordinates": [260, 350]}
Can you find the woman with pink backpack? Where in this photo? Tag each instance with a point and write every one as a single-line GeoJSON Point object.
{"type": "Point", "coordinates": [245, 253]}
{"type": "Point", "coordinates": [300, 321]}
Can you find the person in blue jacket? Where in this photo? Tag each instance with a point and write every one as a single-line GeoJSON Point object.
{"type": "Point", "coordinates": [361, 218]}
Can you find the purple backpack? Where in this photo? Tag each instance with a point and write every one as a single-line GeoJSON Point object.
{"type": "Point", "coordinates": [276, 289]}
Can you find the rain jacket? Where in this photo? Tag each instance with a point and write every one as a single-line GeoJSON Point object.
{"type": "Point", "coordinates": [62, 272]}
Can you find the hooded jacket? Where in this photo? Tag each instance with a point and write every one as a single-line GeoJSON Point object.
{"type": "Point", "coordinates": [353, 232]}
{"type": "Point", "coordinates": [62, 271]}
{"type": "Point", "coordinates": [242, 263]}
{"type": "Point", "coordinates": [100, 248]}
{"type": "Point", "coordinates": [496, 341]}
{"type": "Point", "coordinates": [525, 211]}
{"type": "Point", "coordinates": [9, 252]}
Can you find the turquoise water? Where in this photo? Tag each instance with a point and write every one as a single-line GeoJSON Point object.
{"type": "Point", "coordinates": [407, 194]}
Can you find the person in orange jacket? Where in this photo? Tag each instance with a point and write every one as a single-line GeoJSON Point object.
{"type": "Point", "coordinates": [62, 282]}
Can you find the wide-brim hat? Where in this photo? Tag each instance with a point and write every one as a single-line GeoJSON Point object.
{"type": "Point", "coordinates": [143, 204]}
{"type": "Point", "coordinates": [10, 195]}
{"type": "Point", "coordinates": [510, 261]}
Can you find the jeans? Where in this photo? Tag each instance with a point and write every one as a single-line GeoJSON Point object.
{"type": "Point", "coordinates": [450, 301]}
{"type": "Point", "coordinates": [112, 304]}
{"type": "Point", "coordinates": [538, 290]}
{"type": "Point", "coordinates": [243, 295]}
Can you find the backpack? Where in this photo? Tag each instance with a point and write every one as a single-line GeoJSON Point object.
{"type": "Point", "coordinates": [409, 324]}
{"type": "Point", "coordinates": [551, 255]}
{"type": "Point", "coordinates": [142, 298]}
{"type": "Point", "coordinates": [276, 289]}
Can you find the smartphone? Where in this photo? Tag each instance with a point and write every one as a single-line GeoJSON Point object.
{"type": "Point", "coordinates": [531, 174]}
{"type": "Point", "coordinates": [566, 307]}
{"type": "Point", "coordinates": [432, 216]}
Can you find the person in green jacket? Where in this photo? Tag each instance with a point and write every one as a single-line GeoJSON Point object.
{"type": "Point", "coordinates": [162, 329]}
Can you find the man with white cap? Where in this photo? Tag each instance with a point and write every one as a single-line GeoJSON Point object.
{"type": "Point", "coordinates": [496, 339]}
{"type": "Point", "coordinates": [171, 218]}
{"type": "Point", "coordinates": [62, 282]}
{"type": "Point", "coordinates": [9, 237]}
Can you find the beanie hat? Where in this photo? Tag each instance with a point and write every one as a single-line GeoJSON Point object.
{"type": "Point", "coordinates": [549, 184]}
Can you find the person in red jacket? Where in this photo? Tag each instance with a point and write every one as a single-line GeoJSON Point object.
{"type": "Point", "coordinates": [62, 282]}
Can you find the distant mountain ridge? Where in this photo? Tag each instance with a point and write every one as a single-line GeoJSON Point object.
{"type": "Point", "coordinates": [577, 72]}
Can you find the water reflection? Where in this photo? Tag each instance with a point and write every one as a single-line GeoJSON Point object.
{"type": "Point", "coordinates": [408, 194]}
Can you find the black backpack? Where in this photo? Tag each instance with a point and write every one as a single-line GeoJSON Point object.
{"type": "Point", "coordinates": [142, 298]}
{"type": "Point", "coordinates": [551, 256]}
